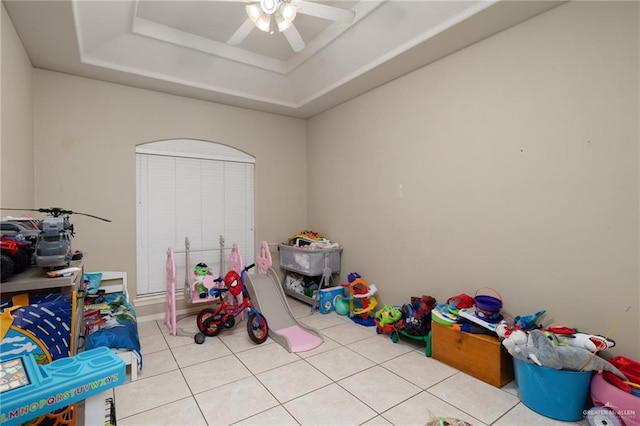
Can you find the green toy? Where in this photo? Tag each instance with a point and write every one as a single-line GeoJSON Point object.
{"type": "Point", "coordinates": [342, 306]}
{"type": "Point", "coordinates": [200, 271]}
{"type": "Point", "coordinates": [388, 315]}
{"type": "Point", "coordinates": [386, 320]}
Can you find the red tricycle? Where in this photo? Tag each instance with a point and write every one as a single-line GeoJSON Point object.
{"type": "Point", "coordinates": [212, 320]}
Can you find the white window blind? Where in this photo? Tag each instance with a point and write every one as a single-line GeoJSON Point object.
{"type": "Point", "coordinates": [192, 195]}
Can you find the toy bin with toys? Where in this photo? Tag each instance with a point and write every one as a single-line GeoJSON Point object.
{"type": "Point", "coordinates": [309, 262]}
{"type": "Point", "coordinates": [558, 394]}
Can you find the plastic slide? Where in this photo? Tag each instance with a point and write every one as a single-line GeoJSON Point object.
{"type": "Point", "coordinates": [268, 297]}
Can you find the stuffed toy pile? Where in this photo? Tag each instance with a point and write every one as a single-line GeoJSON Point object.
{"type": "Point", "coordinates": [545, 349]}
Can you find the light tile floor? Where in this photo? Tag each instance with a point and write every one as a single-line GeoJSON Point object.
{"type": "Point", "coordinates": [355, 377]}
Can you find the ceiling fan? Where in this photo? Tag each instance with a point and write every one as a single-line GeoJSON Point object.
{"type": "Point", "coordinates": [272, 15]}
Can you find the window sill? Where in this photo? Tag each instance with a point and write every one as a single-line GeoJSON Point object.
{"type": "Point", "coordinates": [154, 299]}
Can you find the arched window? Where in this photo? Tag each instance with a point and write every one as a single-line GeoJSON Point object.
{"type": "Point", "coordinates": [196, 189]}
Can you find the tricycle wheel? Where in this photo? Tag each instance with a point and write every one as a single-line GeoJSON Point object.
{"type": "Point", "coordinates": [199, 338]}
{"type": "Point", "coordinates": [378, 330]}
{"type": "Point", "coordinates": [257, 328]}
{"type": "Point", "coordinates": [394, 336]}
{"type": "Point", "coordinates": [209, 322]}
{"type": "Point", "coordinates": [230, 322]}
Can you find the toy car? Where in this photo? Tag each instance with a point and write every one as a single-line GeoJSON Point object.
{"type": "Point", "coordinates": [16, 256]}
{"type": "Point", "coordinates": [55, 232]}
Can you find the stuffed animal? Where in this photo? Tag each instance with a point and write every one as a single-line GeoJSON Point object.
{"type": "Point", "coordinates": [528, 322]}
{"type": "Point", "coordinates": [540, 350]}
{"type": "Point", "coordinates": [423, 305]}
{"type": "Point", "coordinates": [512, 336]}
{"type": "Point", "coordinates": [591, 342]}
{"type": "Point", "coordinates": [200, 272]}
{"type": "Point", "coordinates": [502, 329]}
{"type": "Point", "coordinates": [514, 342]}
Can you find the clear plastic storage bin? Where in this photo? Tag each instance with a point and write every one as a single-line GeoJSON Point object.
{"type": "Point", "coordinates": [309, 262]}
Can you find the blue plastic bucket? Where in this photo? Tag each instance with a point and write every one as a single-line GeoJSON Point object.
{"type": "Point", "coordinates": [558, 394]}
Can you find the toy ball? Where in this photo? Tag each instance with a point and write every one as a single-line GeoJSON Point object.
{"type": "Point", "coordinates": [342, 306]}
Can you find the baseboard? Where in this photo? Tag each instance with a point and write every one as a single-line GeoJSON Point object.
{"type": "Point", "coordinates": [161, 316]}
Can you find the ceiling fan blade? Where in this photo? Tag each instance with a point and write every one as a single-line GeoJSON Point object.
{"type": "Point", "coordinates": [331, 13]}
{"type": "Point", "coordinates": [294, 38]}
{"type": "Point", "coordinates": [241, 33]}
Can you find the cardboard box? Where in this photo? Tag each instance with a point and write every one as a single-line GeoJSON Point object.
{"type": "Point", "coordinates": [479, 355]}
{"type": "Point", "coordinates": [328, 298]}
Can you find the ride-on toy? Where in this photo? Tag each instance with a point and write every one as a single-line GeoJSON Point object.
{"type": "Point", "coordinates": [388, 321]}
{"type": "Point", "coordinates": [212, 320]}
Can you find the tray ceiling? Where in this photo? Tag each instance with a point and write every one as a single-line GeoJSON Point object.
{"type": "Point", "coordinates": [181, 47]}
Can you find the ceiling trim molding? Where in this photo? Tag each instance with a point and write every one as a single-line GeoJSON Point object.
{"type": "Point", "coordinates": [257, 77]}
{"type": "Point", "coordinates": [474, 9]}
{"type": "Point", "coordinates": [103, 40]}
{"type": "Point", "coordinates": [87, 59]}
{"type": "Point", "coordinates": [332, 32]}
{"type": "Point", "coordinates": [146, 28]}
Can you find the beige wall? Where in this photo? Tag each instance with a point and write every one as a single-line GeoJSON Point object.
{"type": "Point", "coordinates": [511, 164]}
{"type": "Point", "coordinates": [85, 136]}
{"type": "Point", "coordinates": [16, 145]}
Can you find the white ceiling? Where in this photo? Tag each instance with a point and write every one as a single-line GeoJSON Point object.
{"type": "Point", "coordinates": [179, 47]}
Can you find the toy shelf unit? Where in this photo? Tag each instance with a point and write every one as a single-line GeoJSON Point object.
{"type": "Point", "coordinates": [52, 295]}
{"type": "Point", "coordinates": [310, 263]}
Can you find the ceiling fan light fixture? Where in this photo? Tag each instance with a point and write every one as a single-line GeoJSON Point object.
{"type": "Point", "coordinates": [287, 12]}
{"type": "Point", "coordinates": [264, 23]}
{"type": "Point", "coordinates": [253, 12]}
{"type": "Point", "coordinates": [269, 6]}
{"type": "Point", "coordinates": [283, 24]}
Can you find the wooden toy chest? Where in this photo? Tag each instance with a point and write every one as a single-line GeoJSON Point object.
{"type": "Point", "coordinates": [479, 355]}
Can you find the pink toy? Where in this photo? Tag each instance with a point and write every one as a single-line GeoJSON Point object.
{"type": "Point", "coordinates": [613, 406]}
{"type": "Point", "coordinates": [197, 284]}
{"type": "Point", "coordinates": [264, 258]}
{"type": "Point", "coordinates": [170, 312]}
{"type": "Point", "coordinates": [235, 262]}
{"type": "Point", "coordinates": [235, 259]}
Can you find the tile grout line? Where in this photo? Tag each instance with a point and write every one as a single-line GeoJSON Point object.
{"type": "Point", "coordinates": [310, 362]}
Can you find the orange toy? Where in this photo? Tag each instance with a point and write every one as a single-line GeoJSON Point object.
{"type": "Point", "coordinates": [361, 300]}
